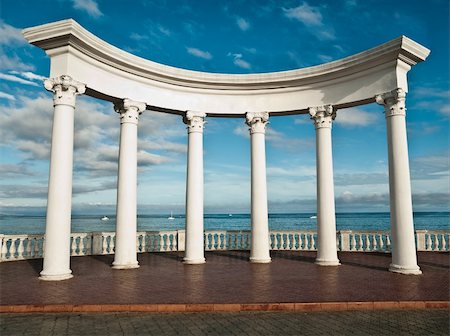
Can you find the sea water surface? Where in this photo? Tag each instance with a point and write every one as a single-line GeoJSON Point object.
{"type": "Point", "coordinates": [13, 224]}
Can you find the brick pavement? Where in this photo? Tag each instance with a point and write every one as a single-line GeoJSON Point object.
{"type": "Point", "coordinates": [362, 281]}
{"type": "Point", "coordinates": [379, 322]}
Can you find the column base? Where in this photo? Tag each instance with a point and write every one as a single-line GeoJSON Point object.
{"type": "Point", "coordinates": [260, 261]}
{"type": "Point", "coordinates": [414, 270]}
{"type": "Point", "coordinates": [324, 262]}
{"type": "Point", "coordinates": [55, 277]}
{"type": "Point", "coordinates": [125, 266]}
{"type": "Point", "coordinates": [194, 261]}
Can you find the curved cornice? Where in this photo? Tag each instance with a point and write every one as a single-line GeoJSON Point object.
{"type": "Point", "coordinates": [64, 33]}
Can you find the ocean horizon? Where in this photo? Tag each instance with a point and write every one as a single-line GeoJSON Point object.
{"type": "Point", "coordinates": [363, 221]}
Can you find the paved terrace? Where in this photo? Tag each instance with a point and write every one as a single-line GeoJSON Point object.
{"type": "Point", "coordinates": [227, 282]}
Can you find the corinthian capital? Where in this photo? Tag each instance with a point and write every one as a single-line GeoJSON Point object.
{"type": "Point", "coordinates": [257, 121]}
{"type": "Point", "coordinates": [129, 110]}
{"type": "Point", "coordinates": [65, 89]}
{"type": "Point", "coordinates": [195, 121]}
{"type": "Point", "coordinates": [393, 102]}
{"type": "Point", "coordinates": [322, 116]}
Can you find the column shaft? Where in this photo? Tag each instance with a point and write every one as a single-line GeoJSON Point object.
{"type": "Point", "coordinates": [404, 259]}
{"type": "Point", "coordinates": [326, 217]}
{"type": "Point", "coordinates": [194, 248]}
{"type": "Point", "coordinates": [260, 244]}
{"type": "Point", "coordinates": [58, 221]}
{"type": "Point", "coordinates": [126, 218]}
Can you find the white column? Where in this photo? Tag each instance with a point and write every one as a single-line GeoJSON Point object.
{"type": "Point", "coordinates": [322, 117]}
{"type": "Point", "coordinates": [59, 204]}
{"type": "Point", "coordinates": [260, 249]}
{"type": "Point", "coordinates": [126, 221]}
{"type": "Point", "coordinates": [194, 250]}
{"type": "Point", "coordinates": [404, 259]}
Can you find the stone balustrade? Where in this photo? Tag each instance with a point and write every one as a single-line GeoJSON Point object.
{"type": "Point", "coordinates": [19, 247]}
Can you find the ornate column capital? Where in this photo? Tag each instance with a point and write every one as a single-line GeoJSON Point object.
{"type": "Point", "coordinates": [129, 110]}
{"type": "Point", "coordinates": [322, 116]}
{"type": "Point", "coordinates": [65, 89]}
{"type": "Point", "coordinates": [257, 121]}
{"type": "Point", "coordinates": [195, 121]}
{"type": "Point", "coordinates": [393, 102]}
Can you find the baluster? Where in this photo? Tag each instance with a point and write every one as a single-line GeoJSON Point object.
{"type": "Point", "coordinates": [380, 243]}
{"type": "Point", "coordinates": [435, 242]}
{"type": "Point", "coordinates": [28, 247]}
{"type": "Point", "coordinates": [21, 248]}
{"type": "Point", "coordinates": [82, 245]}
{"type": "Point", "coordinates": [428, 242]}
{"type": "Point", "coordinates": [388, 243]}
{"type": "Point", "coordinates": [441, 242]}
{"type": "Point", "coordinates": [72, 245]}
{"type": "Point", "coordinates": [367, 242]}
{"type": "Point", "coordinates": [313, 242]}
{"type": "Point", "coordinates": [303, 246]}
{"type": "Point", "coordinates": [444, 242]}
{"type": "Point", "coordinates": [144, 242]}
{"type": "Point", "coordinates": [352, 242]}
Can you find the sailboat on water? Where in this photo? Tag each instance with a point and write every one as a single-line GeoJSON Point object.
{"type": "Point", "coordinates": [171, 216]}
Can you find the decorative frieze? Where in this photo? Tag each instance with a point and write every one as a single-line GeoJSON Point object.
{"type": "Point", "coordinates": [393, 102]}
{"type": "Point", "coordinates": [129, 110]}
{"type": "Point", "coordinates": [65, 89]}
{"type": "Point", "coordinates": [322, 116]}
{"type": "Point", "coordinates": [257, 121]}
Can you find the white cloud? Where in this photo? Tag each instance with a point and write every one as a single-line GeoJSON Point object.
{"type": "Point", "coordinates": [7, 96]}
{"type": "Point", "coordinates": [8, 62]}
{"type": "Point", "coordinates": [238, 61]}
{"type": "Point", "coordinates": [312, 18]}
{"type": "Point", "coordinates": [243, 24]}
{"type": "Point", "coordinates": [199, 53]}
{"type": "Point", "coordinates": [325, 58]}
{"type": "Point", "coordinates": [355, 117]}
{"type": "Point", "coordinates": [16, 79]}
{"type": "Point", "coordinates": [305, 13]}
{"type": "Point", "coordinates": [10, 35]}
{"type": "Point", "coordinates": [29, 75]}
{"type": "Point", "coordinates": [89, 6]}
{"type": "Point", "coordinates": [138, 37]}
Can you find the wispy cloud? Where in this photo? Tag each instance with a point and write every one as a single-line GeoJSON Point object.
{"type": "Point", "coordinates": [239, 61]}
{"type": "Point", "coordinates": [356, 117]}
{"type": "Point", "coordinates": [308, 15]}
{"type": "Point", "coordinates": [199, 53]}
{"type": "Point", "coordinates": [13, 78]}
{"type": "Point", "coordinates": [10, 35]}
{"type": "Point", "coordinates": [7, 96]}
{"type": "Point", "coordinates": [243, 24]}
{"type": "Point", "coordinates": [312, 18]}
{"type": "Point", "coordinates": [88, 6]}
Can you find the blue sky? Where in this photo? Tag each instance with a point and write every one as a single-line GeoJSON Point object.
{"type": "Point", "coordinates": [228, 37]}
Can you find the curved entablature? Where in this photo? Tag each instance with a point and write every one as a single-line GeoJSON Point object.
{"type": "Point", "coordinates": [112, 74]}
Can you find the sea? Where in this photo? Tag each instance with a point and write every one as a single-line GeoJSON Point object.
{"type": "Point", "coordinates": [26, 224]}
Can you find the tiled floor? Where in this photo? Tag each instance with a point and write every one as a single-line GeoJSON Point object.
{"type": "Point", "coordinates": [227, 277]}
{"type": "Point", "coordinates": [397, 323]}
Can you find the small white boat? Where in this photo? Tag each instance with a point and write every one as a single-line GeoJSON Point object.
{"type": "Point", "coordinates": [313, 217]}
{"type": "Point", "coordinates": [105, 218]}
{"type": "Point", "coordinates": [171, 216]}
{"type": "Point", "coordinates": [230, 215]}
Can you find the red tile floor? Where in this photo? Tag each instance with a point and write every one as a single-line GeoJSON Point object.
{"type": "Point", "coordinates": [228, 282]}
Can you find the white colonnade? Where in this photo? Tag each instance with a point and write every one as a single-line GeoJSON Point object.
{"type": "Point", "coordinates": [404, 259]}
{"type": "Point", "coordinates": [59, 201]}
{"type": "Point", "coordinates": [378, 74]}
{"type": "Point", "coordinates": [322, 117]}
{"type": "Point", "coordinates": [194, 253]}
{"type": "Point", "coordinates": [125, 255]}
{"type": "Point", "coordinates": [260, 245]}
